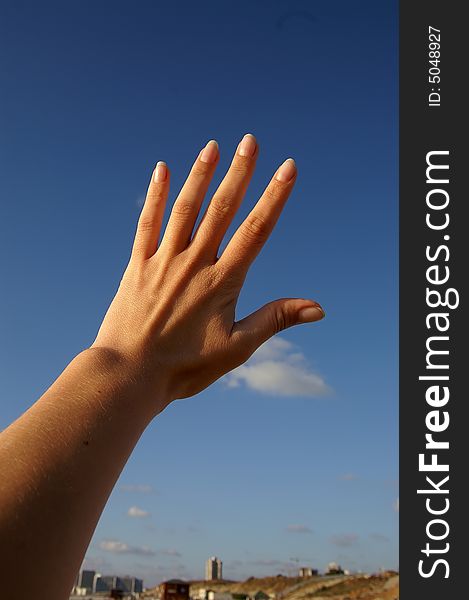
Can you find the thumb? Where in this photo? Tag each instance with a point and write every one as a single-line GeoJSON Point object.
{"type": "Point", "coordinates": [259, 326]}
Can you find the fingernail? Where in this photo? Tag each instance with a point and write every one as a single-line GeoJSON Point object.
{"type": "Point", "coordinates": [210, 152]}
{"type": "Point", "coordinates": [161, 171]}
{"type": "Point", "coordinates": [311, 313]}
{"type": "Point", "coordinates": [247, 145]}
{"type": "Point", "coordinates": [286, 171]}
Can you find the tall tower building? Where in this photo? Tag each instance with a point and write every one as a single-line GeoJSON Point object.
{"type": "Point", "coordinates": [213, 569]}
{"type": "Point", "coordinates": [85, 580]}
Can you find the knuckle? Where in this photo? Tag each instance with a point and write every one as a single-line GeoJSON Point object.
{"type": "Point", "coordinates": [255, 229]}
{"type": "Point", "coordinates": [221, 206]}
{"type": "Point", "coordinates": [157, 191]}
{"type": "Point", "coordinates": [282, 319]}
{"type": "Point", "coordinates": [146, 225]}
{"type": "Point", "coordinates": [273, 191]}
{"type": "Point", "coordinates": [182, 208]}
{"type": "Point", "coordinates": [158, 195]}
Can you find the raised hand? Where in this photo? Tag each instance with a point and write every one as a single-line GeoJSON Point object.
{"type": "Point", "coordinates": [174, 313]}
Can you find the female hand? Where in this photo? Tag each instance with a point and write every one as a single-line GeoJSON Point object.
{"type": "Point", "coordinates": [169, 332]}
{"type": "Point", "coordinates": [173, 317]}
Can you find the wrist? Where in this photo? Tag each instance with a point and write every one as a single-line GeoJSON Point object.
{"type": "Point", "coordinates": [133, 380]}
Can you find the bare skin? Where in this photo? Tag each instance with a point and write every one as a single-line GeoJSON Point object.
{"type": "Point", "coordinates": [169, 333]}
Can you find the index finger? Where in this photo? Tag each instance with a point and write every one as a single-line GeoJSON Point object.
{"type": "Point", "coordinates": [255, 230]}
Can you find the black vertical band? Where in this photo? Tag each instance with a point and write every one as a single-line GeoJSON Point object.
{"type": "Point", "coordinates": [434, 357]}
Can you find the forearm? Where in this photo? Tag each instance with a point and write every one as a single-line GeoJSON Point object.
{"type": "Point", "coordinates": [60, 461]}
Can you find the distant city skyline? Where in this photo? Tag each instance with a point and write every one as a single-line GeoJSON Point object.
{"type": "Point", "coordinates": [90, 582]}
{"type": "Point", "coordinates": [295, 454]}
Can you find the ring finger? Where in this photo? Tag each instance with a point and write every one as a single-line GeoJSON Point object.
{"type": "Point", "coordinates": [227, 198]}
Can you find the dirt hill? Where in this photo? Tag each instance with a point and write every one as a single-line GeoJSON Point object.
{"type": "Point", "coordinates": [337, 587]}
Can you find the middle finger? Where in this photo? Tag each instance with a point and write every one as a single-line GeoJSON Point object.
{"type": "Point", "coordinates": [227, 198]}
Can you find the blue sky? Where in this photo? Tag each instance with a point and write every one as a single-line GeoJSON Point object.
{"type": "Point", "coordinates": [94, 94]}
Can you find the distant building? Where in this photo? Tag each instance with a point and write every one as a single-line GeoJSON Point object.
{"type": "Point", "coordinates": [131, 584]}
{"type": "Point", "coordinates": [334, 569]}
{"type": "Point", "coordinates": [106, 583]}
{"type": "Point", "coordinates": [174, 589]}
{"type": "Point", "coordinates": [84, 582]}
{"type": "Point", "coordinates": [90, 582]}
{"type": "Point", "coordinates": [213, 569]}
{"type": "Point", "coordinates": [307, 572]}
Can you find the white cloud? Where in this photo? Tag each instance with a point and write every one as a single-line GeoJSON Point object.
{"type": "Point", "coordinates": [118, 547]}
{"type": "Point", "coordinates": [396, 505]}
{"type": "Point", "coordinates": [137, 488]}
{"type": "Point", "coordinates": [277, 368]}
{"type": "Point", "coordinates": [299, 529]}
{"type": "Point", "coordinates": [138, 513]}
